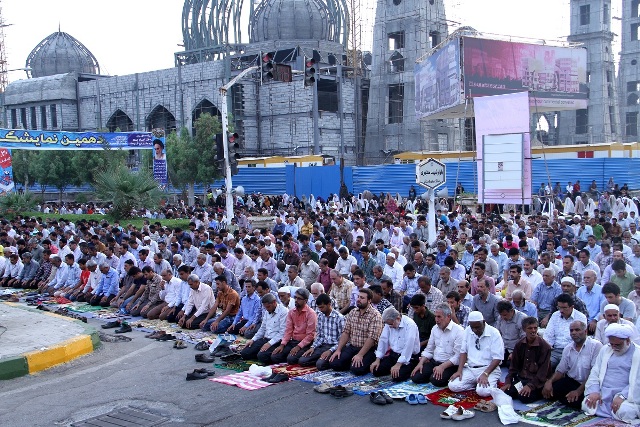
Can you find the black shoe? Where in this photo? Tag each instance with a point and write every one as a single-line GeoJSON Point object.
{"type": "Point", "coordinates": [231, 357]}
{"type": "Point", "coordinates": [166, 337]}
{"type": "Point", "coordinates": [221, 350]}
{"type": "Point", "coordinates": [269, 378]}
{"type": "Point", "coordinates": [377, 398]}
{"type": "Point", "coordinates": [278, 378]}
{"type": "Point", "coordinates": [205, 358]}
{"type": "Point", "coordinates": [205, 371]}
{"type": "Point", "coordinates": [110, 325]}
{"type": "Point", "coordinates": [124, 328]}
{"type": "Point", "coordinates": [196, 376]}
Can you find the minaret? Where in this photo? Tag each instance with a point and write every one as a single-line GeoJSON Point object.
{"type": "Point", "coordinates": [404, 31]}
{"type": "Point", "coordinates": [591, 26]}
{"type": "Point", "coordinates": [629, 71]}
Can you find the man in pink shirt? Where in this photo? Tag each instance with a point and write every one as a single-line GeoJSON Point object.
{"type": "Point", "coordinates": [299, 331]}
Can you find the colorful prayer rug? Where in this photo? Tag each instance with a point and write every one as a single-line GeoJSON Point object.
{"type": "Point", "coordinates": [83, 307]}
{"type": "Point", "coordinates": [244, 380]}
{"type": "Point", "coordinates": [404, 389]}
{"type": "Point", "coordinates": [293, 370]}
{"type": "Point", "coordinates": [365, 384]}
{"type": "Point", "coordinates": [446, 397]}
{"type": "Point", "coordinates": [604, 422]}
{"type": "Point", "coordinates": [330, 376]}
{"type": "Point", "coordinates": [555, 414]}
{"type": "Point", "coordinates": [237, 365]}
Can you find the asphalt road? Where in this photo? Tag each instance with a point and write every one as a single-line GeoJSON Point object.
{"type": "Point", "coordinates": [150, 376]}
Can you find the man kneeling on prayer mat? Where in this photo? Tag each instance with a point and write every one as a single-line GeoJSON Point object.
{"type": "Point", "coordinates": [530, 365]}
{"type": "Point", "coordinates": [613, 387]}
{"type": "Point", "coordinates": [481, 353]}
{"type": "Point", "coordinates": [398, 347]}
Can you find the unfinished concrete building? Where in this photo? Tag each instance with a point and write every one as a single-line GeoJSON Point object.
{"type": "Point", "coordinates": [629, 71]}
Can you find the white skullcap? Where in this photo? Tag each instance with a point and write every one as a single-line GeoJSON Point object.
{"type": "Point", "coordinates": [392, 255]}
{"type": "Point", "coordinates": [285, 290]}
{"type": "Point", "coordinates": [475, 316]}
{"type": "Point", "coordinates": [611, 307]}
{"type": "Point", "coordinates": [619, 331]}
{"type": "Point", "coordinates": [568, 279]}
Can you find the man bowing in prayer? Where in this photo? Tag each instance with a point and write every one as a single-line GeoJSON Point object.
{"type": "Point", "coordinates": [613, 387]}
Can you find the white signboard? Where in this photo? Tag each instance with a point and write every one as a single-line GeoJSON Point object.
{"type": "Point", "coordinates": [431, 174]}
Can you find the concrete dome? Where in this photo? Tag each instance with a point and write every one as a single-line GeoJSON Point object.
{"type": "Point", "coordinates": [290, 20]}
{"type": "Point", "coordinates": [60, 53]}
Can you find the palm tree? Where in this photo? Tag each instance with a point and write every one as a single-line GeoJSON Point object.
{"type": "Point", "coordinates": [127, 191]}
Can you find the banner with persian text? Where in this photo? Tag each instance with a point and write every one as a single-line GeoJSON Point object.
{"type": "Point", "coordinates": [20, 139]}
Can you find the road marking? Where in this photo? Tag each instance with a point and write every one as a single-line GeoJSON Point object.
{"type": "Point", "coordinates": [78, 373]}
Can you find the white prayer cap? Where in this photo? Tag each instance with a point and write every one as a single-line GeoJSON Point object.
{"type": "Point", "coordinates": [392, 255]}
{"type": "Point", "coordinates": [475, 316]}
{"type": "Point", "coordinates": [619, 331]}
{"type": "Point", "coordinates": [611, 307]}
{"type": "Point", "coordinates": [568, 279]}
{"type": "Point", "coordinates": [318, 243]}
{"type": "Point", "coordinates": [284, 290]}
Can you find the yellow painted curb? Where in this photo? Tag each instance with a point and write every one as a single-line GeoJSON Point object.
{"type": "Point", "coordinates": [40, 360]}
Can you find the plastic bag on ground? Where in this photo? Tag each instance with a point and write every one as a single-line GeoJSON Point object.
{"type": "Point", "coordinates": [504, 402]}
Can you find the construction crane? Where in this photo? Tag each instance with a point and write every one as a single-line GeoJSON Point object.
{"type": "Point", "coordinates": [354, 54]}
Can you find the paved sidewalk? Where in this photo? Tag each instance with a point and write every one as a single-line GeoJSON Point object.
{"type": "Point", "coordinates": [33, 340]}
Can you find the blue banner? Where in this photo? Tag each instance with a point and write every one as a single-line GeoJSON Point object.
{"type": "Point", "coordinates": [45, 140]}
{"type": "Point", "coordinates": [159, 158]}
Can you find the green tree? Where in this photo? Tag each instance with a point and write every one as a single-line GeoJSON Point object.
{"type": "Point", "coordinates": [52, 168]}
{"type": "Point", "coordinates": [192, 160]}
{"type": "Point", "coordinates": [127, 190]}
{"type": "Point", "coordinates": [23, 170]}
{"type": "Point", "coordinates": [85, 165]}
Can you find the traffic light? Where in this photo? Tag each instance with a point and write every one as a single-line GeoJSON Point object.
{"type": "Point", "coordinates": [309, 72]}
{"type": "Point", "coordinates": [220, 152]}
{"type": "Point", "coordinates": [233, 140]}
{"type": "Point", "coordinates": [268, 67]}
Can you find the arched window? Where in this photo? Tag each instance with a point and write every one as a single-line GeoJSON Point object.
{"type": "Point", "coordinates": [119, 121]}
{"type": "Point", "coordinates": [205, 106]}
{"type": "Point", "coordinates": [161, 118]}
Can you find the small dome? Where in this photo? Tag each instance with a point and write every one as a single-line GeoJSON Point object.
{"type": "Point", "coordinates": [60, 53]}
{"type": "Point", "coordinates": [290, 20]}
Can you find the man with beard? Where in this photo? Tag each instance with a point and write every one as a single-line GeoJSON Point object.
{"type": "Point", "coordinates": [613, 387]}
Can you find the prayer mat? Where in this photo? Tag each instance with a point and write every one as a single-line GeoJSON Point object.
{"type": "Point", "coordinates": [330, 376]}
{"type": "Point", "coordinates": [237, 365]}
{"type": "Point", "coordinates": [404, 389]}
{"type": "Point", "coordinates": [83, 307]}
{"type": "Point", "coordinates": [293, 370]}
{"type": "Point", "coordinates": [604, 422]}
{"type": "Point", "coordinates": [466, 399]}
{"type": "Point", "coordinates": [365, 384]}
{"type": "Point", "coordinates": [244, 380]}
{"type": "Point", "coordinates": [554, 414]}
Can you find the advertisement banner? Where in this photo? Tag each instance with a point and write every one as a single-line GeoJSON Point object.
{"type": "Point", "coordinates": [159, 157]}
{"type": "Point", "coordinates": [555, 77]}
{"type": "Point", "coordinates": [51, 140]}
{"type": "Point", "coordinates": [438, 85]}
{"type": "Point", "coordinates": [6, 172]}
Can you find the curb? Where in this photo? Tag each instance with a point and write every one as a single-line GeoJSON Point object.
{"type": "Point", "coordinates": [39, 360]}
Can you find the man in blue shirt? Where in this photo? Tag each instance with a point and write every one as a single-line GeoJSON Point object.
{"type": "Point", "coordinates": [545, 294]}
{"type": "Point", "coordinates": [249, 317]}
{"type": "Point", "coordinates": [107, 287]}
{"type": "Point", "coordinates": [591, 294]}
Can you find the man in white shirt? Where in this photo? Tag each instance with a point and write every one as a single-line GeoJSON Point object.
{"type": "Point", "coordinates": [393, 270]}
{"type": "Point", "coordinates": [200, 301]}
{"type": "Point", "coordinates": [345, 261]}
{"type": "Point", "coordinates": [268, 337]}
{"type": "Point", "coordinates": [440, 358]}
{"type": "Point", "coordinates": [398, 346]}
{"type": "Point", "coordinates": [557, 333]}
{"type": "Point", "coordinates": [481, 353]}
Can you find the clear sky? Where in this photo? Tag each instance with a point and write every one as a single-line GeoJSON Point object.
{"type": "Point", "coordinates": [129, 36]}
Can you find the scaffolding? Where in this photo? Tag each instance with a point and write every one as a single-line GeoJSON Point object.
{"type": "Point", "coordinates": [4, 77]}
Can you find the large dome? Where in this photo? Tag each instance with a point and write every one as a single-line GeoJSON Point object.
{"type": "Point", "coordinates": [60, 53]}
{"type": "Point", "coordinates": [290, 20]}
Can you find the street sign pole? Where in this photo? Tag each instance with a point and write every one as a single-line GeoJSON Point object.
{"type": "Point", "coordinates": [431, 174]}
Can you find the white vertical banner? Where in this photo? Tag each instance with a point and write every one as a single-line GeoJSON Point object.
{"type": "Point", "coordinates": [503, 148]}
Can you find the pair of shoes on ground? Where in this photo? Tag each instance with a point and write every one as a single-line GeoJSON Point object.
{"type": "Point", "coordinates": [222, 350]}
{"type": "Point", "coordinates": [179, 344]}
{"type": "Point", "coordinates": [276, 378]}
{"type": "Point", "coordinates": [124, 328]}
{"type": "Point", "coordinates": [456, 413]}
{"type": "Point", "coordinates": [380, 398]}
{"type": "Point", "coordinates": [416, 399]}
{"type": "Point", "coordinates": [485, 406]}
{"type": "Point", "coordinates": [155, 335]}
{"type": "Point", "coordinates": [199, 374]}
{"type": "Point", "coordinates": [205, 358]}
{"type": "Point", "coordinates": [340, 391]}
{"type": "Point", "coordinates": [112, 324]}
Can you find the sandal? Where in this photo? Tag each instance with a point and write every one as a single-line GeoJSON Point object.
{"type": "Point", "coordinates": [480, 405]}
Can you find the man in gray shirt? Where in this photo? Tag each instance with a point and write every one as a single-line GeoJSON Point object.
{"type": "Point", "coordinates": [486, 303]}
{"type": "Point", "coordinates": [510, 326]}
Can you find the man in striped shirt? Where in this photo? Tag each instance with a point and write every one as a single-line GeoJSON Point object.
{"type": "Point", "coordinates": [328, 330]}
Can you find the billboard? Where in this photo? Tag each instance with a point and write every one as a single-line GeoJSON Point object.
{"type": "Point", "coordinates": [52, 140]}
{"type": "Point", "coordinates": [555, 77]}
{"type": "Point", "coordinates": [438, 84]}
